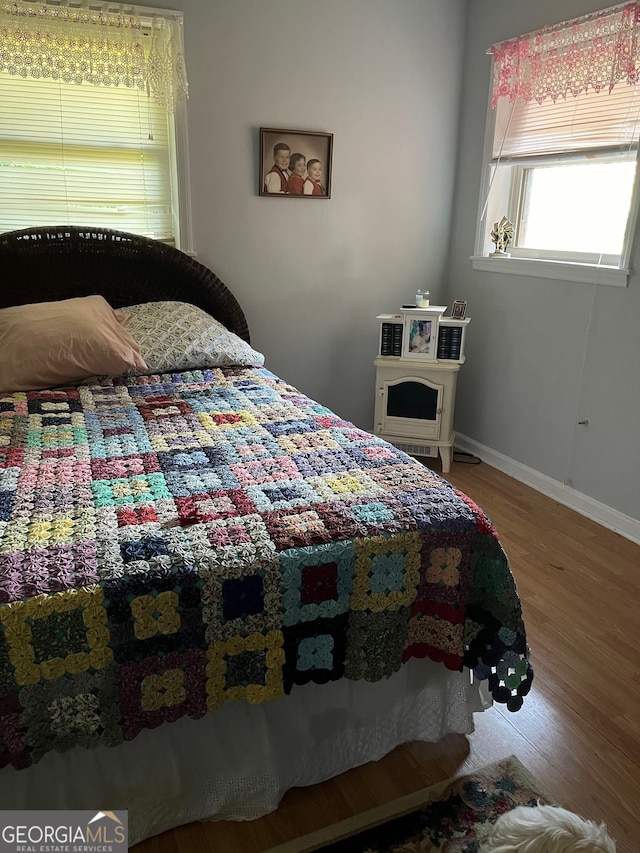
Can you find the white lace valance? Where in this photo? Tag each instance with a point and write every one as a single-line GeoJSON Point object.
{"type": "Point", "coordinates": [80, 45]}
{"type": "Point", "coordinates": [595, 51]}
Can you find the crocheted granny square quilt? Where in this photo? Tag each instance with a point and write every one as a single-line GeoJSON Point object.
{"type": "Point", "coordinates": [171, 543]}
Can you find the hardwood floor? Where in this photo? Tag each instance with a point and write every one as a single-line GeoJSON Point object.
{"type": "Point", "coordinates": [579, 729]}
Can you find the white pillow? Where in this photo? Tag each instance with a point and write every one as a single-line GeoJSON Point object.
{"type": "Point", "coordinates": [176, 336]}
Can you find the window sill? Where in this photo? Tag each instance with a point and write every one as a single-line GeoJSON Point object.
{"type": "Point", "coordinates": [559, 270]}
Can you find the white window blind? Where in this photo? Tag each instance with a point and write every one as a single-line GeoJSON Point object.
{"type": "Point", "coordinates": [585, 123]}
{"type": "Point", "coordinates": [88, 155]}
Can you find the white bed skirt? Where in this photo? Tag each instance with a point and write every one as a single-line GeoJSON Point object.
{"type": "Point", "coordinates": [237, 762]}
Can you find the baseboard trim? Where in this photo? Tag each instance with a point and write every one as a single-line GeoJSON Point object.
{"type": "Point", "coordinates": [611, 518]}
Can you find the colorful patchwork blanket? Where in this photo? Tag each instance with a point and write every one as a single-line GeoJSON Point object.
{"type": "Point", "coordinates": [171, 543]}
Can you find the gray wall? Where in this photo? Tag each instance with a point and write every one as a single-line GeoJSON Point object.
{"type": "Point", "coordinates": [542, 355]}
{"type": "Point", "coordinates": [384, 77]}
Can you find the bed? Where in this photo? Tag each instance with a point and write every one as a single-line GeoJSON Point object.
{"type": "Point", "coordinates": [213, 588]}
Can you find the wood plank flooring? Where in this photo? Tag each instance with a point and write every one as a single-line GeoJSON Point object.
{"type": "Point", "coordinates": [579, 730]}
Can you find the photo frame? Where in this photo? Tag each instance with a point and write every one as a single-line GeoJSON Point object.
{"type": "Point", "coordinates": [295, 163]}
{"type": "Point", "coordinates": [420, 335]}
{"type": "Point", "coordinates": [459, 310]}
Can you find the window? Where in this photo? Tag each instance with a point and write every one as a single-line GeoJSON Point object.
{"type": "Point", "coordinates": [92, 154]}
{"type": "Point", "coordinates": [562, 150]}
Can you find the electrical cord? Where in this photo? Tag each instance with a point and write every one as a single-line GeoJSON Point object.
{"type": "Point", "coordinates": [467, 458]}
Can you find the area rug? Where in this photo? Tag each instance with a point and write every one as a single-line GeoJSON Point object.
{"type": "Point", "coordinates": [452, 816]}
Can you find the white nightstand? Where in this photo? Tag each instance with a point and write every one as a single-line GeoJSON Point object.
{"type": "Point", "coordinates": [415, 396]}
{"type": "Point", "coordinates": [415, 403]}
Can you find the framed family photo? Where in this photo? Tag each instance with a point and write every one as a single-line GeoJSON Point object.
{"type": "Point", "coordinates": [420, 336]}
{"type": "Point", "coordinates": [295, 163]}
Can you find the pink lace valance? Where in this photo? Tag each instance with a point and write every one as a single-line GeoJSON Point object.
{"type": "Point", "coordinates": [595, 51]}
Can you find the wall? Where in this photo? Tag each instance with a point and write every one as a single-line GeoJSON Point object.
{"type": "Point", "coordinates": [384, 77]}
{"type": "Point", "coordinates": [542, 355]}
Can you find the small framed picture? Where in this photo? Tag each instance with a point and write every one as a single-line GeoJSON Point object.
{"type": "Point", "coordinates": [295, 163]}
{"type": "Point", "coordinates": [420, 336]}
{"type": "Point", "coordinates": [459, 310]}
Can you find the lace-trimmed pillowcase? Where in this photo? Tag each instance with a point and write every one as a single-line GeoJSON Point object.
{"type": "Point", "coordinates": [176, 336]}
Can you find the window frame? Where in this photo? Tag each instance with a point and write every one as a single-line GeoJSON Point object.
{"type": "Point", "coordinates": [528, 262]}
{"type": "Point", "coordinates": [180, 180]}
{"type": "Point", "coordinates": [517, 201]}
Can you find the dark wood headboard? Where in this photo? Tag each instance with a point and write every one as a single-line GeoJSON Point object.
{"type": "Point", "coordinates": [44, 264]}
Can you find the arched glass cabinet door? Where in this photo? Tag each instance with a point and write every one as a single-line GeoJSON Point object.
{"type": "Point", "coordinates": [411, 406]}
